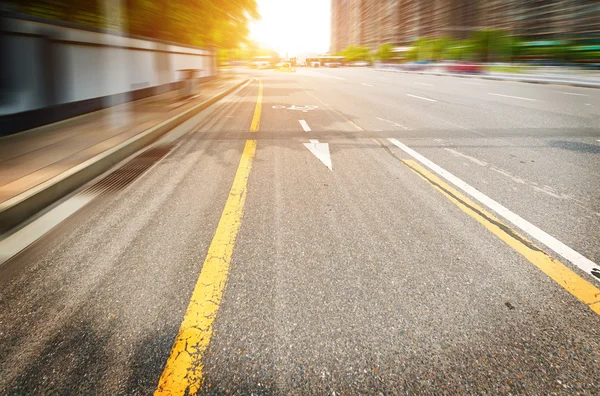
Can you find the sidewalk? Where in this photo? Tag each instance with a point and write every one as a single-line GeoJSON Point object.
{"type": "Point", "coordinates": [555, 76]}
{"type": "Point", "coordinates": [32, 160]}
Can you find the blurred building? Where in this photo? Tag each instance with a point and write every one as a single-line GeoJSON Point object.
{"type": "Point", "coordinates": [374, 22]}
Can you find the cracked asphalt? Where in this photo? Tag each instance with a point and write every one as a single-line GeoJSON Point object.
{"type": "Point", "coordinates": [363, 279]}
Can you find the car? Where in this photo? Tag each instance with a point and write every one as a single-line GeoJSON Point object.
{"type": "Point", "coordinates": [333, 64]}
{"type": "Point", "coordinates": [416, 66]}
{"type": "Point", "coordinates": [360, 64]}
{"type": "Point", "coordinates": [464, 67]}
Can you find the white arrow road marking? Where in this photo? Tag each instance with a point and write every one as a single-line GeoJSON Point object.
{"type": "Point", "coordinates": [321, 151]}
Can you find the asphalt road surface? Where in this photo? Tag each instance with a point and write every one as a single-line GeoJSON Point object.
{"type": "Point", "coordinates": [340, 231]}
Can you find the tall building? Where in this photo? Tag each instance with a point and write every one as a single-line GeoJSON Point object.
{"type": "Point", "coordinates": [400, 22]}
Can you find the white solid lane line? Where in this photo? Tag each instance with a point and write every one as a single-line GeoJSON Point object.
{"type": "Point", "coordinates": [570, 93]}
{"type": "Point", "coordinates": [513, 97]}
{"type": "Point", "coordinates": [420, 97]}
{"type": "Point", "coordinates": [557, 246]}
{"type": "Point", "coordinates": [368, 85]}
{"type": "Point", "coordinates": [304, 126]}
{"type": "Point", "coordinates": [429, 85]}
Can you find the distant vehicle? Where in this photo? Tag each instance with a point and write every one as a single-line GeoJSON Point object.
{"type": "Point", "coordinates": [416, 66]}
{"type": "Point", "coordinates": [464, 67]}
{"type": "Point", "coordinates": [262, 65]}
{"type": "Point", "coordinates": [313, 62]}
{"type": "Point", "coordinates": [327, 61]}
{"type": "Point", "coordinates": [360, 64]}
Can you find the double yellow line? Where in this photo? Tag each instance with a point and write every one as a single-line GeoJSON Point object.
{"type": "Point", "coordinates": [183, 372]}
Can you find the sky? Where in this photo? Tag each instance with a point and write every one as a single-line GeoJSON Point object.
{"type": "Point", "coordinates": [293, 26]}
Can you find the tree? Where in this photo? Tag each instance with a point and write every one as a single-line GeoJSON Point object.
{"type": "Point", "coordinates": [354, 53]}
{"type": "Point", "coordinates": [487, 44]}
{"type": "Point", "coordinates": [196, 22]}
{"type": "Point", "coordinates": [385, 52]}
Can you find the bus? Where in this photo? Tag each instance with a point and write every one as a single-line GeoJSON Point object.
{"type": "Point", "coordinates": [326, 61]}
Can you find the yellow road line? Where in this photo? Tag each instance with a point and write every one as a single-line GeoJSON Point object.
{"type": "Point", "coordinates": [257, 109]}
{"type": "Point", "coordinates": [585, 291]}
{"type": "Point", "coordinates": [183, 372]}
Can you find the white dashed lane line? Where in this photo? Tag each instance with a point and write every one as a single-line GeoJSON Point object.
{"type": "Point", "coordinates": [420, 97]}
{"type": "Point", "coordinates": [569, 93]}
{"type": "Point", "coordinates": [304, 126]}
{"type": "Point", "coordinates": [513, 97]}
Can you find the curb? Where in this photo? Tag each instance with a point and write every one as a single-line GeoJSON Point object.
{"type": "Point", "coordinates": [580, 84]}
{"type": "Point", "coordinates": [20, 208]}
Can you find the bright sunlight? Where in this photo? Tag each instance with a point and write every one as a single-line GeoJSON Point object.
{"type": "Point", "coordinates": [293, 26]}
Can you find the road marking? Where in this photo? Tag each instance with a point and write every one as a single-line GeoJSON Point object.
{"type": "Point", "coordinates": [554, 244]}
{"type": "Point", "coordinates": [420, 97]}
{"type": "Point", "coordinates": [569, 93]}
{"type": "Point", "coordinates": [585, 291]}
{"type": "Point", "coordinates": [183, 372]}
{"type": "Point", "coordinates": [588, 104]}
{"type": "Point", "coordinates": [392, 122]}
{"type": "Point", "coordinates": [473, 83]}
{"type": "Point", "coordinates": [429, 85]}
{"type": "Point", "coordinates": [472, 159]}
{"type": "Point", "coordinates": [257, 109]}
{"type": "Point", "coordinates": [513, 97]}
{"type": "Point", "coordinates": [368, 85]}
{"type": "Point", "coordinates": [321, 151]}
{"type": "Point", "coordinates": [304, 126]}
{"type": "Point", "coordinates": [462, 127]}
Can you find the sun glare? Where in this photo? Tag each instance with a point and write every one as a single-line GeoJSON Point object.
{"type": "Point", "coordinates": [293, 26]}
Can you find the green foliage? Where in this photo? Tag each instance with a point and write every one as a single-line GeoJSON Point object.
{"type": "Point", "coordinates": [427, 48]}
{"type": "Point", "coordinates": [385, 52]}
{"type": "Point", "coordinates": [490, 45]}
{"type": "Point", "coordinates": [354, 53]}
{"type": "Point", "coordinates": [196, 22]}
{"type": "Point", "coordinates": [412, 54]}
